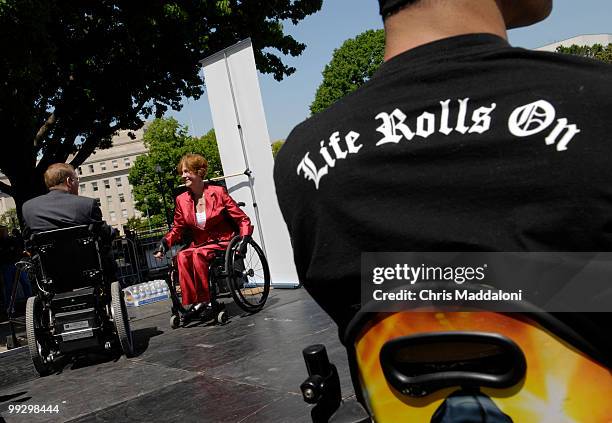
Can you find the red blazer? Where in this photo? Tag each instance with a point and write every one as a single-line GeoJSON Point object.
{"type": "Point", "coordinates": [220, 208]}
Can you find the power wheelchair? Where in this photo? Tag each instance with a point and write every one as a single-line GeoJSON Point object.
{"type": "Point", "coordinates": [244, 277]}
{"type": "Point", "coordinates": [440, 365]}
{"type": "Point", "coordinates": [76, 307]}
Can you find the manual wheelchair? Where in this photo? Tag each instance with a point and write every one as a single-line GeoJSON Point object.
{"type": "Point", "coordinates": [75, 308]}
{"type": "Point", "coordinates": [246, 278]}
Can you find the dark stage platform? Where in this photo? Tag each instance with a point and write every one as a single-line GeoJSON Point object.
{"type": "Point", "coordinates": [246, 371]}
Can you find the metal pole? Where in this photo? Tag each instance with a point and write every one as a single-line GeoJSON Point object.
{"type": "Point", "coordinates": [244, 154]}
{"type": "Point", "coordinates": [219, 178]}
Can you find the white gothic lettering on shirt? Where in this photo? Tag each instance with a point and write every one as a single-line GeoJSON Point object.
{"type": "Point", "coordinates": [394, 128]}
{"type": "Point", "coordinates": [525, 120]}
{"type": "Point", "coordinates": [535, 117]}
{"type": "Point", "coordinates": [310, 169]}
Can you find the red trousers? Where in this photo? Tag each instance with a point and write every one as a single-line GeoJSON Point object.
{"type": "Point", "coordinates": [193, 265]}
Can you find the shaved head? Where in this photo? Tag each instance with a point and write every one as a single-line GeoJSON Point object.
{"type": "Point", "coordinates": [516, 13]}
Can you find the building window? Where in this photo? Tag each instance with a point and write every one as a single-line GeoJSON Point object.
{"type": "Point", "coordinates": [121, 198]}
{"type": "Point", "coordinates": [94, 186]}
{"type": "Point", "coordinates": [124, 213]}
{"type": "Point", "coordinates": [113, 216]}
{"type": "Point", "coordinates": [91, 168]}
{"type": "Point", "coordinates": [97, 200]}
{"type": "Point", "coordinates": [115, 164]}
{"type": "Point", "coordinates": [109, 199]}
{"type": "Point", "coordinates": [126, 161]}
{"type": "Point", "coordinates": [81, 187]}
{"type": "Point", "coordinates": [102, 165]}
{"type": "Point", "coordinates": [107, 183]}
{"type": "Point", "coordinates": [118, 182]}
{"type": "Point", "coordinates": [80, 170]}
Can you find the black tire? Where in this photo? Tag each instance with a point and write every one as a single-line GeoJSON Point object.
{"type": "Point", "coordinates": [253, 268]}
{"type": "Point", "coordinates": [222, 317]}
{"type": "Point", "coordinates": [36, 343]}
{"type": "Point", "coordinates": [175, 321]}
{"type": "Point", "coordinates": [121, 319]}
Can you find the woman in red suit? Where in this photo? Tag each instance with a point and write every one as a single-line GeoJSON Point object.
{"type": "Point", "coordinates": [205, 212]}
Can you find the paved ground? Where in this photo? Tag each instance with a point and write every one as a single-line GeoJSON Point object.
{"type": "Point", "coordinates": [248, 370]}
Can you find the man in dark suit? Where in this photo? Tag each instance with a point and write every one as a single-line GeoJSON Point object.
{"type": "Point", "coordinates": [62, 207]}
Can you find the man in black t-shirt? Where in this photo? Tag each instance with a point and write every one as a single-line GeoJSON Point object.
{"type": "Point", "coordinates": [459, 142]}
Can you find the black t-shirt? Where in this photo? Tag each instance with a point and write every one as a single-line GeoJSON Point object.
{"type": "Point", "coordinates": [464, 144]}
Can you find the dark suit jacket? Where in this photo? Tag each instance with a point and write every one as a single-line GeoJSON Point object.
{"type": "Point", "coordinates": [59, 209]}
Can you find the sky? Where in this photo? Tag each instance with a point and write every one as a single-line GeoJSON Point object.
{"type": "Point", "coordinates": [286, 103]}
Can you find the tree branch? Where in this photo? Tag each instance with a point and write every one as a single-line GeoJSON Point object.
{"type": "Point", "coordinates": [66, 147]}
{"type": "Point", "coordinates": [85, 151]}
{"type": "Point", "coordinates": [42, 132]}
{"type": "Point", "coordinates": [57, 151]}
{"type": "Point", "coordinates": [90, 145]}
{"type": "Point", "coordinates": [7, 189]}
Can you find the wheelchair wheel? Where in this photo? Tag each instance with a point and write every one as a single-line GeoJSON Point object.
{"type": "Point", "coordinates": [38, 347]}
{"type": "Point", "coordinates": [222, 317]}
{"type": "Point", "coordinates": [121, 319]}
{"type": "Point", "coordinates": [248, 276]}
{"type": "Point", "coordinates": [175, 321]}
{"type": "Point", "coordinates": [175, 295]}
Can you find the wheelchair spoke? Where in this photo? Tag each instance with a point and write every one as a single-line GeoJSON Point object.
{"type": "Point", "coordinates": [249, 283]}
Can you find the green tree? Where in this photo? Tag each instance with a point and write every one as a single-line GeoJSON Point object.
{"type": "Point", "coordinates": [167, 141]}
{"type": "Point", "coordinates": [9, 219]}
{"type": "Point", "coordinates": [276, 146]}
{"type": "Point", "coordinates": [350, 67]}
{"type": "Point", "coordinates": [146, 223]}
{"type": "Point", "coordinates": [596, 51]}
{"type": "Point", "coordinates": [74, 73]}
{"type": "Point", "coordinates": [136, 223]}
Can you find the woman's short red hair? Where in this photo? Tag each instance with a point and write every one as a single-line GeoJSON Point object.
{"type": "Point", "coordinates": [196, 163]}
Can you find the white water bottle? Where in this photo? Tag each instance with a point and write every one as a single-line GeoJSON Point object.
{"type": "Point", "coordinates": [136, 293]}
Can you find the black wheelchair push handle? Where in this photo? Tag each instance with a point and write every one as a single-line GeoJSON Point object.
{"type": "Point", "coordinates": [317, 362]}
{"type": "Point", "coordinates": [322, 388]}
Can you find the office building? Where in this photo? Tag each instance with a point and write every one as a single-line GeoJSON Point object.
{"type": "Point", "coordinates": [104, 176]}
{"type": "Point", "coordinates": [580, 40]}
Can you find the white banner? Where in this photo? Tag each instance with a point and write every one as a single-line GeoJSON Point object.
{"type": "Point", "coordinates": [242, 135]}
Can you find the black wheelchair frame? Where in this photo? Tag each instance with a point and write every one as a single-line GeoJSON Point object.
{"type": "Point", "coordinates": [229, 275]}
{"type": "Point", "coordinates": [75, 308]}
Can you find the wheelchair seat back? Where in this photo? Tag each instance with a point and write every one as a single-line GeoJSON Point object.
{"type": "Point", "coordinates": [67, 258]}
{"type": "Point", "coordinates": [429, 365]}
